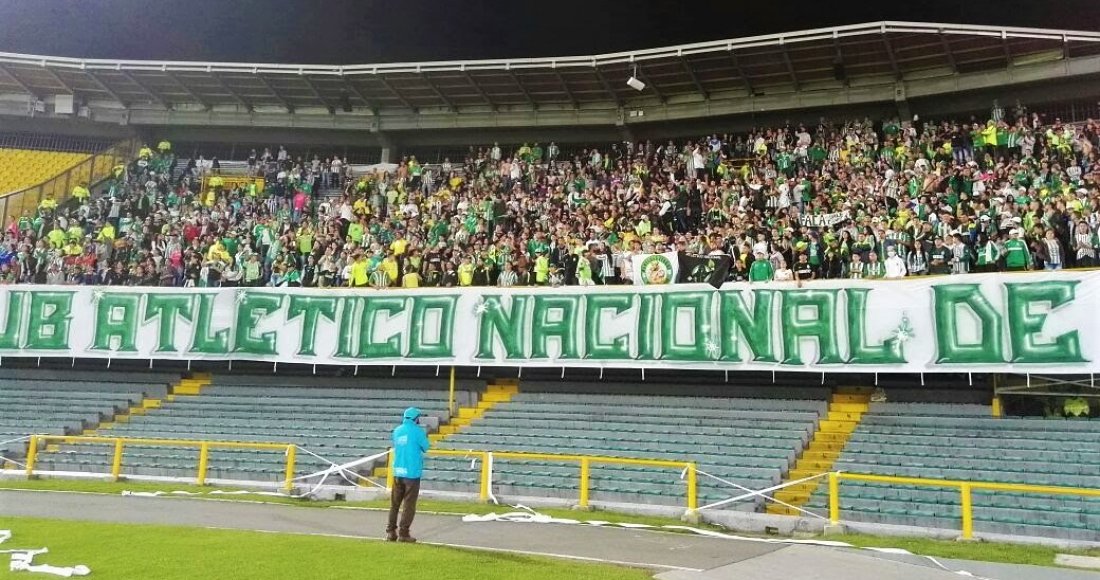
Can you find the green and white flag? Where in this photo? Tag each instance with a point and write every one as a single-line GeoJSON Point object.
{"type": "Point", "coordinates": [656, 269]}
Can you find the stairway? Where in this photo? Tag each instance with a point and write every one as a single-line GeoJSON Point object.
{"type": "Point", "coordinates": [846, 408]}
{"type": "Point", "coordinates": [186, 387]}
{"type": "Point", "coordinates": [498, 391]}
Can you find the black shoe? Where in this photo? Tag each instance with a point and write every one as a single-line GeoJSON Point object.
{"type": "Point", "coordinates": [407, 540]}
{"type": "Point", "coordinates": [391, 536]}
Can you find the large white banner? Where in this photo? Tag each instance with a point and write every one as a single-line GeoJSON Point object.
{"type": "Point", "coordinates": [1021, 322]}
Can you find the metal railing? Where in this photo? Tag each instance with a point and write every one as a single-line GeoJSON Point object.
{"type": "Point", "coordinates": [204, 448]}
{"type": "Point", "coordinates": [92, 170]}
{"type": "Point", "coordinates": [965, 491]}
{"type": "Point", "coordinates": [585, 462]}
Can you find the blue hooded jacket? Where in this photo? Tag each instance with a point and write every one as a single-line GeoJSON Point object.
{"type": "Point", "coordinates": [409, 445]}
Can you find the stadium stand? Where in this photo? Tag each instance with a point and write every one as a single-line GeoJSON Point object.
{"type": "Point", "coordinates": [338, 420]}
{"type": "Point", "coordinates": [21, 168]}
{"type": "Point", "coordinates": [749, 441]}
{"type": "Point", "coordinates": [963, 442]}
{"type": "Point", "coordinates": [59, 403]}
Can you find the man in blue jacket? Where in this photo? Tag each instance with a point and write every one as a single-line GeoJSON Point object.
{"type": "Point", "coordinates": [409, 446]}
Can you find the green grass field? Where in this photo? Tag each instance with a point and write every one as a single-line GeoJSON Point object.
{"type": "Point", "coordinates": [123, 552]}
{"type": "Point", "coordinates": [982, 551]}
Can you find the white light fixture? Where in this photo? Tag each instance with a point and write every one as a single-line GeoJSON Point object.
{"type": "Point", "coordinates": [633, 81]}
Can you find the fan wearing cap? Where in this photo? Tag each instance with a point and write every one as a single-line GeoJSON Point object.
{"type": "Point", "coordinates": [1016, 255]}
{"type": "Point", "coordinates": [409, 446]}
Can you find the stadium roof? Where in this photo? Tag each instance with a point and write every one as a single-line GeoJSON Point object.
{"type": "Point", "coordinates": [845, 56]}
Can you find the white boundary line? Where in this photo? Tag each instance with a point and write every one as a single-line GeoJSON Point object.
{"type": "Point", "coordinates": [475, 548]}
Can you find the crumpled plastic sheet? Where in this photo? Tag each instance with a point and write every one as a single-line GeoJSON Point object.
{"type": "Point", "coordinates": [22, 560]}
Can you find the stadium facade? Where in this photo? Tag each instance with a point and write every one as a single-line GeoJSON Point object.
{"type": "Point", "coordinates": [876, 69]}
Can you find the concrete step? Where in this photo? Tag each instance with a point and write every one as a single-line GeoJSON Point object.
{"type": "Point", "coordinates": [815, 466]}
{"type": "Point", "coordinates": [837, 426]}
{"type": "Point", "coordinates": [848, 408]}
{"type": "Point", "coordinates": [844, 416]}
{"type": "Point", "coordinates": [817, 446]}
{"type": "Point", "coordinates": [849, 398]}
{"type": "Point", "coordinates": [820, 455]}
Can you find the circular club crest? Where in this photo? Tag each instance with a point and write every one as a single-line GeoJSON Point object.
{"type": "Point", "coordinates": [656, 269]}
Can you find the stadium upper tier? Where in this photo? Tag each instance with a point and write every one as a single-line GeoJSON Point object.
{"type": "Point", "coordinates": [860, 63]}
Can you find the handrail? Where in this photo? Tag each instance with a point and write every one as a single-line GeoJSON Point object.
{"type": "Point", "coordinates": [203, 446]}
{"type": "Point", "coordinates": [965, 490]}
{"type": "Point", "coordinates": [585, 462]}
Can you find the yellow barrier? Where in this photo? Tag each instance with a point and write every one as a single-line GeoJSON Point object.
{"type": "Point", "coordinates": [585, 462]}
{"type": "Point", "coordinates": [965, 488]}
{"type": "Point", "coordinates": [203, 446]}
{"type": "Point", "coordinates": [232, 182]}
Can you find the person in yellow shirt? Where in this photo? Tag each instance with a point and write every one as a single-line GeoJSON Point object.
{"type": "Point", "coordinates": [145, 152]}
{"type": "Point", "coordinates": [360, 272]}
{"type": "Point", "coordinates": [107, 233]}
{"type": "Point", "coordinates": [56, 237]}
{"type": "Point", "coordinates": [81, 193]}
{"type": "Point", "coordinates": [48, 204]}
{"type": "Point", "coordinates": [465, 273]}
{"type": "Point", "coordinates": [217, 252]}
{"type": "Point", "coordinates": [989, 135]}
{"type": "Point", "coordinates": [399, 245]}
{"type": "Point", "coordinates": [411, 279]}
{"type": "Point", "coordinates": [164, 146]}
{"type": "Point", "coordinates": [389, 266]}
{"type": "Point", "coordinates": [210, 197]}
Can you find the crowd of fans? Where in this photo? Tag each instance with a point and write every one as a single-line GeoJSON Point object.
{"type": "Point", "coordinates": [888, 199]}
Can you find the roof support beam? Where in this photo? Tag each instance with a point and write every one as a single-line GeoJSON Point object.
{"type": "Point", "coordinates": [358, 93]}
{"type": "Point", "coordinates": [435, 89]}
{"type": "Point", "coordinates": [53, 74]}
{"type": "Point", "coordinates": [481, 92]}
{"type": "Point", "coordinates": [947, 52]}
{"type": "Point", "coordinates": [893, 59]}
{"type": "Point", "coordinates": [317, 93]}
{"type": "Point", "coordinates": [103, 86]}
{"type": "Point", "coordinates": [565, 89]}
{"type": "Point", "coordinates": [274, 93]}
{"type": "Point", "coordinates": [607, 85]}
{"type": "Point", "coordinates": [156, 96]}
{"type": "Point", "coordinates": [1006, 48]}
{"type": "Point", "coordinates": [389, 87]}
{"type": "Point", "coordinates": [694, 78]}
{"type": "Point", "coordinates": [26, 88]}
{"type": "Point", "coordinates": [236, 96]}
{"type": "Point", "coordinates": [179, 81]}
{"type": "Point", "coordinates": [741, 73]}
{"type": "Point", "coordinates": [790, 66]}
{"type": "Point", "coordinates": [523, 89]}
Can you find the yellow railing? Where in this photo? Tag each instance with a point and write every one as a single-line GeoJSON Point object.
{"type": "Point", "coordinates": [585, 462]}
{"type": "Point", "coordinates": [965, 491]}
{"type": "Point", "coordinates": [204, 448]}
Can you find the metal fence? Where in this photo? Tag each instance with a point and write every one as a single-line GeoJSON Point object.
{"type": "Point", "coordinates": [91, 171]}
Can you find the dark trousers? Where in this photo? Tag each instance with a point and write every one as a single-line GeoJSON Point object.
{"type": "Point", "coordinates": [403, 498]}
